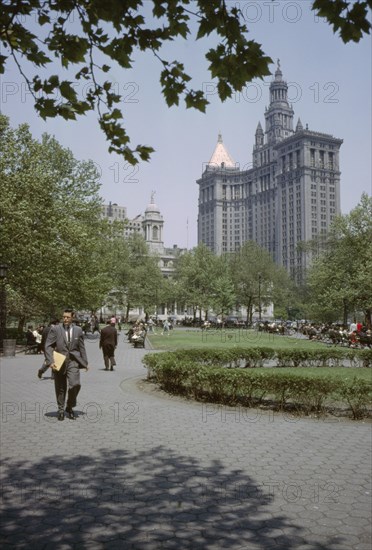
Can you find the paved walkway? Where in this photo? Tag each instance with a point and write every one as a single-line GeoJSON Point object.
{"type": "Point", "coordinates": [143, 470]}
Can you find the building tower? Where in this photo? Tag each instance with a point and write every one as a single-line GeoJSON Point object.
{"type": "Point", "coordinates": [279, 115]}
{"type": "Point", "coordinates": [290, 195]}
{"type": "Point", "coordinates": [152, 225]}
{"type": "Point", "coordinates": [212, 196]}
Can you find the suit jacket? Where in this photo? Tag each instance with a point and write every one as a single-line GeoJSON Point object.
{"type": "Point", "coordinates": [109, 337]}
{"type": "Point", "coordinates": [44, 336]}
{"type": "Point", "coordinates": [57, 340]}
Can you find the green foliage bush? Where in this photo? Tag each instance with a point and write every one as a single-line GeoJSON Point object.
{"type": "Point", "coordinates": [256, 357]}
{"type": "Point", "coordinates": [205, 375]}
{"type": "Point", "coordinates": [358, 396]}
{"type": "Point", "coordinates": [13, 334]}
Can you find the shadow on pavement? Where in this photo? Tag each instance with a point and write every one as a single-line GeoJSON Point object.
{"type": "Point", "coordinates": [149, 499]}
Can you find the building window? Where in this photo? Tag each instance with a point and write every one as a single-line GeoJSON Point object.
{"type": "Point", "coordinates": [321, 159]}
{"type": "Point", "coordinates": [312, 158]}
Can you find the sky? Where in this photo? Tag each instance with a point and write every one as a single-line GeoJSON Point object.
{"type": "Point", "coordinates": [329, 88]}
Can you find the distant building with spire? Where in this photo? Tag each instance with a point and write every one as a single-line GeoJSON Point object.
{"type": "Point", "coordinates": [290, 195]}
{"type": "Point", "coordinates": [220, 156]}
{"type": "Point", "coordinates": [150, 225]}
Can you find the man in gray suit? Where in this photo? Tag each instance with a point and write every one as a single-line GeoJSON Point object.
{"type": "Point", "coordinates": [67, 339]}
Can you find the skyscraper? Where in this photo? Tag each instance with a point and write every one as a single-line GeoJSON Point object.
{"type": "Point", "coordinates": [290, 194]}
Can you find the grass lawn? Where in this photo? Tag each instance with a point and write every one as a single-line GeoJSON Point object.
{"type": "Point", "coordinates": [184, 338]}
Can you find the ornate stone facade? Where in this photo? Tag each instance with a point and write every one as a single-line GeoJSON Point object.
{"type": "Point", "coordinates": [150, 225]}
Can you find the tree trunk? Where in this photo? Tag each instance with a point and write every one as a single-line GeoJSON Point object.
{"type": "Point", "coordinates": [249, 312]}
{"type": "Point", "coordinates": [345, 312]}
{"type": "Point", "coordinates": [21, 324]}
{"type": "Point", "coordinates": [368, 318]}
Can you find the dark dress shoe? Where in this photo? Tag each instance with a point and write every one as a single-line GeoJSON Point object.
{"type": "Point", "coordinates": [40, 373]}
{"type": "Point", "coordinates": [61, 416]}
{"type": "Point", "coordinates": [71, 414]}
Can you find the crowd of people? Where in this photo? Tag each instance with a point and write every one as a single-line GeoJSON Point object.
{"type": "Point", "coordinates": [35, 338]}
{"type": "Point", "coordinates": [356, 335]}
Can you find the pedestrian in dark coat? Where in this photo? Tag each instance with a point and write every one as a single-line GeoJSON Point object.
{"type": "Point", "coordinates": [108, 342]}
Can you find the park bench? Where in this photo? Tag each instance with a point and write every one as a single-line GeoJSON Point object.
{"type": "Point", "coordinates": [139, 342]}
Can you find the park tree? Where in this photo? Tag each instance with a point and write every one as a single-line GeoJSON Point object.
{"type": "Point", "coordinates": [287, 296]}
{"type": "Point", "coordinates": [339, 280]}
{"type": "Point", "coordinates": [223, 291]}
{"type": "Point", "coordinates": [196, 272]}
{"type": "Point", "coordinates": [252, 269]}
{"type": "Point", "coordinates": [183, 278]}
{"type": "Point", "coordinates": [169, 294]}
{"type": "Point", "coordinates": [52, 234]}
{"type": "Point", "coordinates": [258, 281]}
{"type": "Point", "coordinates": [136, 273]}
{"type": "Point", "coordinates": [88, 36]}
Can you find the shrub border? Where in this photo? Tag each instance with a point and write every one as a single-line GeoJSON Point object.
{"type": "Point", "coordinates": [214, 375]}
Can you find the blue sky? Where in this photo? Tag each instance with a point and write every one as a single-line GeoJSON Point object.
{"type": "Point", "coordinates": [329, 87]}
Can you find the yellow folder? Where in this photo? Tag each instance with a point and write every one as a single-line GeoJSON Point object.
{"type": "Point", "coordinates": [58, 359]}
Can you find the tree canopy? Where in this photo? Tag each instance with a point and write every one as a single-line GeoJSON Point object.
{"type": "Point", "coordinates": [52, 233]}
{"type": "Point", "coordinates": [103, 33]}
{"type": "Point", "coordinates": [258, 281]}
{"type": "Point", "coordinates": [196, 272]}
{"type": "Point", "coordinates": [247, 277]}
{"type": "Point", "coordinates": [136, 274]}
{"type": "Point", "coordinates": [340, 281]}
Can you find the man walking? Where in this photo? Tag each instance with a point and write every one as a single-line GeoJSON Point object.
{"type": "Point", "coordinates": [68, 340]}
{"type": "Point", "coordinates": [108, 342]}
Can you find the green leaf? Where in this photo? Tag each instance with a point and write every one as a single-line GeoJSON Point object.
{"type": "Point", "coordinates": [67, 91]}
{"type": "Point", "coordinates": [196, 100]}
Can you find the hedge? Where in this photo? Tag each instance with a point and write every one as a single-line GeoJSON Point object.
{"type": "Point", "coordinates": [259, 357]}
{"type": "Point", "coordinates": [182, 373]}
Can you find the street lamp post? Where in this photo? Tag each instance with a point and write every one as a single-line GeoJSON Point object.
{"type": "Point", "coordinates": [3, 273]}
{"type": "Point", "coordinates": [259, 297]}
